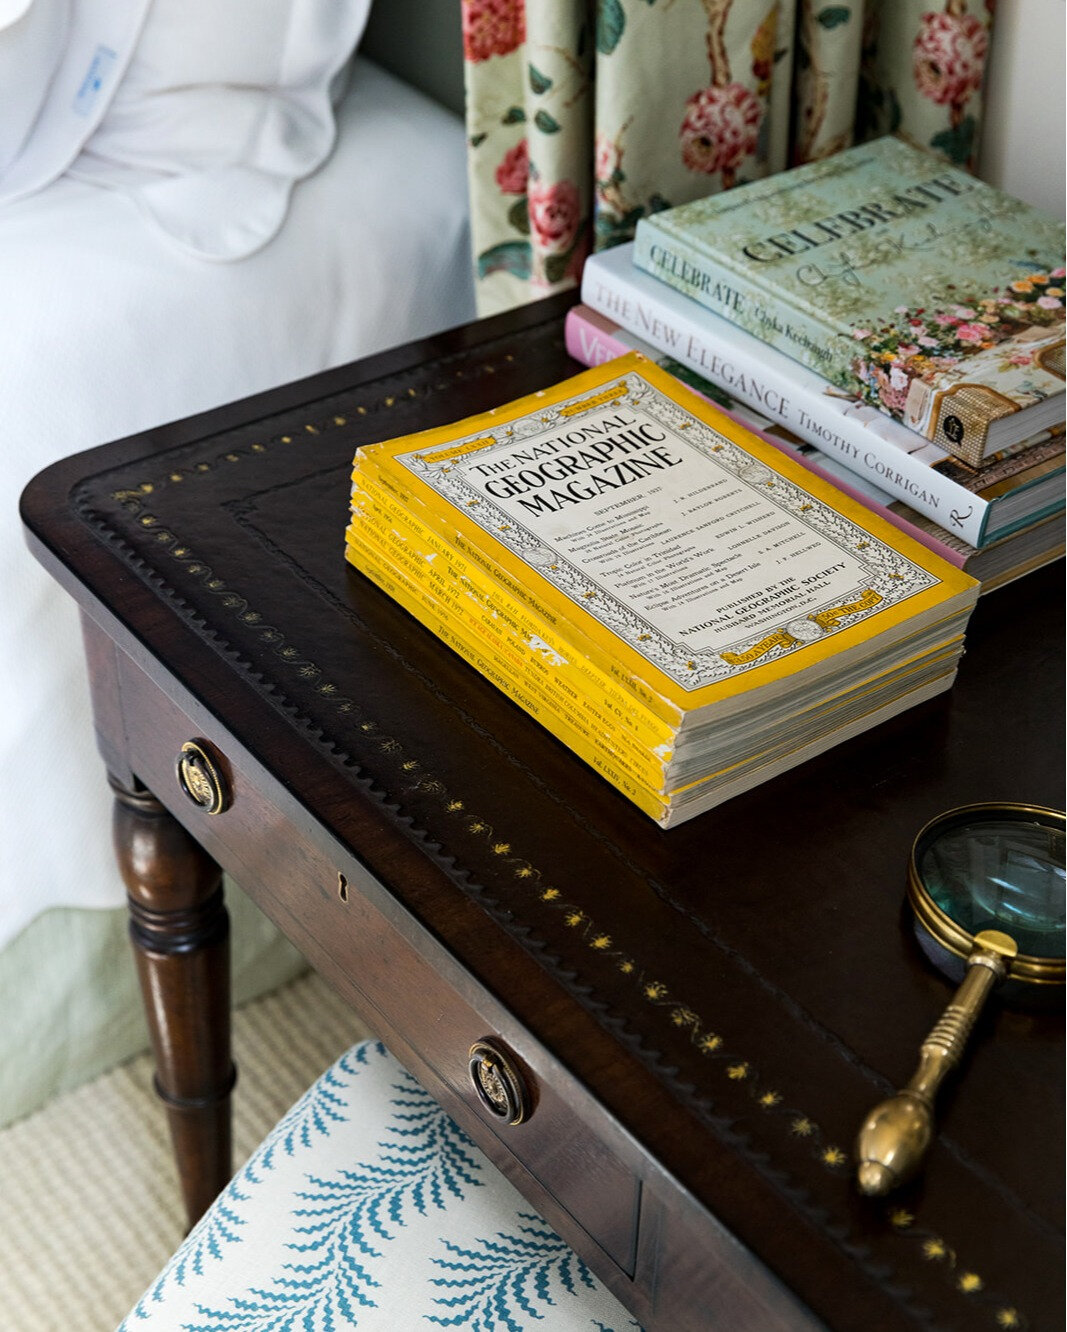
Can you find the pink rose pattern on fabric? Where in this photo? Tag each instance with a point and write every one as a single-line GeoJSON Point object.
{"type": "Point", "coordinates": [492, 27]}
{"type": "Point", "coordinates": [615, 211]}
{"type": "Point", "coordinates": [555, 212]}
{"type": "Point", "coordinates": [607, 159]}
{"type": "Point", "coordinates": [533, 230]}
{"type": "Point", "coordinates": [514, 171]}
{"type": "Point", "coordinates": [721, 128]}
{"type": "Point", "coordinates": [948, 57]}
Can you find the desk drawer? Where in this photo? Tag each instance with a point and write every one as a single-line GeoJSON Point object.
{"type": "Point", "coordinates": [560, 1147]}
{"type": "Point", "coordinates": [567, 1155]}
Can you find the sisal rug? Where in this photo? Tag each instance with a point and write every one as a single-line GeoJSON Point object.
{"type": "Point", "coordinates": [89, 1203]}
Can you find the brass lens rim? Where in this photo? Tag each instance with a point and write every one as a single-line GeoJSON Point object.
{"type": "Point", "coordinates": [941, 927]}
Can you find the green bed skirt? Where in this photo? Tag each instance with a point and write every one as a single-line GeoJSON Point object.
{"type": "Point", "coordinates": [70, 1007]}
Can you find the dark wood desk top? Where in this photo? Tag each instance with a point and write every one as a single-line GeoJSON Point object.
{"type": "Point", "coordinates": [734, 993]}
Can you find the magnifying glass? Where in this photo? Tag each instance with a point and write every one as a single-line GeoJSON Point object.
{"type": "Point", "coordinates": [986, 883]}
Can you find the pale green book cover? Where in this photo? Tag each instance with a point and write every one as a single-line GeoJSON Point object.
{"type": "Point", "coordinates": [928, 293]}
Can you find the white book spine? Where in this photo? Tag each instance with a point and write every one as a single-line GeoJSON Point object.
{"type": "Point", "coordinates": [868, 442]}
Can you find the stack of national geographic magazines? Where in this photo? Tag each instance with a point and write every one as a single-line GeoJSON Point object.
{"type": "Point", "coordinates": [684, 606]}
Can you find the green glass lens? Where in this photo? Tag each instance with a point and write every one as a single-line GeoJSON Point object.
{"type": "Point", "coordinates": [999, 871]}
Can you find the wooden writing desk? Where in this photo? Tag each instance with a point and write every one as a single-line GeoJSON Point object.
{"type": "Point", "coordinates": [701, 1017]}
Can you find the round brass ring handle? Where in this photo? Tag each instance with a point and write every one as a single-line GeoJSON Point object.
{"type": "Point", "coordinates": [498, 1082]}
{"type": "Point", "coordinates": [200, 778]}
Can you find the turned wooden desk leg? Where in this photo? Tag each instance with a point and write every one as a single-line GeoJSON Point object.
{"type": "Point", "coordinates": [180, 934]}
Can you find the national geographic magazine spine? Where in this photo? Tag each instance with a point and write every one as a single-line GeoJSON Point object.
{"type": "Point", "coordinates": [481, 656]}
{"type": "Point", "coordinates": [523, 666]}
{"type": "Point", "coordinates": [580, 660]}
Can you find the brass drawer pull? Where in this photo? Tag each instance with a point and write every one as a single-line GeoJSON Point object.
{"type": "Point", "coordinates": [200, 778]}
{"type": "Point", "coordinates": [500, 1086]}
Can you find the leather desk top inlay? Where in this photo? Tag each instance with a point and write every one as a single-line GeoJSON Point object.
{"type": "Point", "coordinates": [759, 960]}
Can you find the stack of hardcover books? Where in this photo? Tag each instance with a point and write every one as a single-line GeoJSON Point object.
{"type": "Point", "coordinates": [968, 496]}
{"type": "Point", "coordinates": [901, 318]}
{"type": "Point", "coordinates": [685, 606]}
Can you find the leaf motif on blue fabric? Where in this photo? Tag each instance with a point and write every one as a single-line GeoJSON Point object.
{"type": "Point", "coordinates": [344, 1221]}
{"type": "Point", "coordinates": [317, 1112]}
{"type": "Point", "coordinates": [508, 1278]}
{"type": "Point", "coordinates": [220, 1226]}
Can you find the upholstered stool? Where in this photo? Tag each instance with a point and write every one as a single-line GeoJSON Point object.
{"type": "Point", "coordinates": [366, 1206]}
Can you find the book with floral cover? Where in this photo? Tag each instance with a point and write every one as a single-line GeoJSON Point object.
{"type": "Point", "coordinates": [612, 542]}
{"type": "Point", "coordinates": [979, 504]}
{"type": "Point", "coordinates": [935, 297]}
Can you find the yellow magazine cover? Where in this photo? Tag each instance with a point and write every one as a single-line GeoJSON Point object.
{"type": "Point", "coordinates": [702, 561]}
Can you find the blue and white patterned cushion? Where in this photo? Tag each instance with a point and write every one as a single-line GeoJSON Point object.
{"type": "Point", "coordinates": [367, 1207]}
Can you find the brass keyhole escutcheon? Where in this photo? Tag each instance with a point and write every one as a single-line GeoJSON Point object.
{"type": "Point", "coordinates": [498, 1083]}
{"type": "Point", "coordinates": [200, 778]}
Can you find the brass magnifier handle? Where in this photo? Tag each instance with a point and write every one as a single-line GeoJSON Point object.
{"type": "Point", "coordinates": [895, 1135]}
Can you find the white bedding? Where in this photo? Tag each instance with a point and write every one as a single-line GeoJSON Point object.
{"type": "Point", "coordinates": [107, 328]}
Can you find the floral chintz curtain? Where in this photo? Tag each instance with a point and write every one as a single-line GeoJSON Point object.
{"type": "Point", "coordinates": [584, 115]}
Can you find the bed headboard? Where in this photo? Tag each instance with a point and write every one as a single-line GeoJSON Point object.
{"type": "Point", "coordinates": [421, 42]}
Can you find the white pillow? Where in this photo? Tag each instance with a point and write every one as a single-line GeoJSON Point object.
{"type": "Point", "coordinates": [31, 42]}
{"type": "Point", "coordinates": [223, 106]}
{"type": "Point", "coordinates": [60, 63]}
